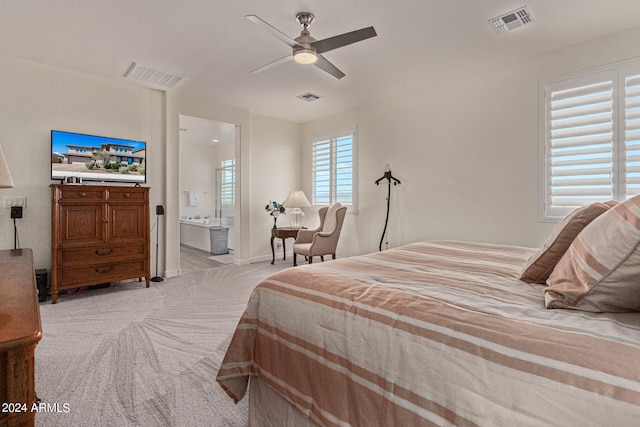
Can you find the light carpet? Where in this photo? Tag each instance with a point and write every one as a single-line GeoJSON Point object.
{"type": "Point", "coordinates": [131, 356]}
{"type": "Point", "coordinates": [223, 259]}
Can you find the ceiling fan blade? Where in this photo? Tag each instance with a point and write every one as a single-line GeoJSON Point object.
{"type": "Point", "coordinates": [272, 30]}
{"type": "Point", "coordinates": [345, 39]}
{"type": "Point", "coordinates": [273, 64]}
{"type": "Point", "coordinates": [328, 67]}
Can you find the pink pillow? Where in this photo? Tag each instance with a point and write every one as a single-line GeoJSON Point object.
{"type": "Point", "coordinates": [600, 272]}
{"type": "Point", "coordinates": [541, 264]}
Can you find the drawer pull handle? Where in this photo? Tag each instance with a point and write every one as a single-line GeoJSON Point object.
{"type": "Point", "coordinates": [83, 194]}
{"type": "Point", "coordinates": [99, 252]}
{"type": "Point", "coordinates": [126, 195]}
{"type": "Point", "coordinates": [105, 271]}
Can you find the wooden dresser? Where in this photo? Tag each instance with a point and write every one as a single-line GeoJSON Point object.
{"type": "Point", "coordinates": [20, 331]}
{"type": "Point", "coordinates": [99, 234]}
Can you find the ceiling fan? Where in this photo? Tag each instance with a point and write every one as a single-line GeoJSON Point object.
{"type": "Point", "coordinates": [306, 49]}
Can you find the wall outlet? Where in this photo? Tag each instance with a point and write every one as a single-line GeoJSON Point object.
{"type": "Point", "coordinates": [10, 201]}
{"type": "Point", "coordinates": [278, 244]}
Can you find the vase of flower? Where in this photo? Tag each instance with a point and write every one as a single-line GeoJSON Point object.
{"type": "Point", "coordinates": [275, 209]}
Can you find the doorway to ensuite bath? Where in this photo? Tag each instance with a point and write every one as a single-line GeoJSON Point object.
{"type": "Point", "coordinates": [207, 197]}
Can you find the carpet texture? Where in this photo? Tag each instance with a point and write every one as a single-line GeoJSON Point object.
{"type": "Point", "coordinates": [131, 356]}
{"type": "Point", "coordinates": [223, 259]}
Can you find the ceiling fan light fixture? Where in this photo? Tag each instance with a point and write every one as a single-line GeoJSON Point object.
{"type": "Point", "coordinates": [306, 49]}
{"type": "Point", "coordinates": [305, 56]}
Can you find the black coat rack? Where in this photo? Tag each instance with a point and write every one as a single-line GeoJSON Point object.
{"type": "Point", "coordinates": [390, 179]}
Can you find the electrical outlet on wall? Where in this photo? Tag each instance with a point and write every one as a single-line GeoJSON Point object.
{"type": "Point", "coordinates": [10, 201]}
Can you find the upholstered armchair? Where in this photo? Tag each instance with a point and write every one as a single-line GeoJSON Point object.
{"type": "Point", "coordinates": [324, 239]}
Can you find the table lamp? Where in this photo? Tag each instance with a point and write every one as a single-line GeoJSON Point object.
{"type": "Point", "coordinates": [5, 175]}
{"type": "Point", "coordinates": [295, 201]}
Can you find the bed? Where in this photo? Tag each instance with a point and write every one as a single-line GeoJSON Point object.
{"type": "Point", "coordinates": [436, 333]}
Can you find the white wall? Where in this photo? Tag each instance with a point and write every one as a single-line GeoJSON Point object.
{"type": "Point", "coordinates": [466, 153]}
{"type": "Point", "coordinates": [275, 171]}
{"type": "Point", "coordinates": [35, 99]}
{"type": "Point", "coordinates": [198, 163]}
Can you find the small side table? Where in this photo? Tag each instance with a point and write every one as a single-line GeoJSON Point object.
{"type": "Point", "coordinates": [282, 233]}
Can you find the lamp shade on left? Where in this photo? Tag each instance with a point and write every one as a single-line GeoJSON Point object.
{"type": "Point", "coordinates": [5, 176]}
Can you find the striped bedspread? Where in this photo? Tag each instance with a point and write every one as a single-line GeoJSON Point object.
{"type": "Point", "coordinates": [433, 333]}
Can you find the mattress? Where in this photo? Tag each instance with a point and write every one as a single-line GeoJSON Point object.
{"type": "Point", "coordinates": [433, 333]}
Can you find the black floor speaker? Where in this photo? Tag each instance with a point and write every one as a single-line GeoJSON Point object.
{"type": "Point", "coordinates": [42, 282]}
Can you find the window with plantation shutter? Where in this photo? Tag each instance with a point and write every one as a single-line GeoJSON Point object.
{"type": "Point", "coordinates": [632, 133]}
{"type": "Point", "coordinates": [228, 182]}
{"type": "Point", "coordinates": [333, 169]}
{"type": "Point", "coordinates": [591, 139]}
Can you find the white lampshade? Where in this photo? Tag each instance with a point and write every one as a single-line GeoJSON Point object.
{"type": "Point", "coordinates": [294, 201]}
{"type": "Point", "coordinates": [5, 176]}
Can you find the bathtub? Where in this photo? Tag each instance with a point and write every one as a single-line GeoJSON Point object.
{"type": "Point", "coordinates": [201, 221]}
{"type": "Point", "coordinates": [196, 232]}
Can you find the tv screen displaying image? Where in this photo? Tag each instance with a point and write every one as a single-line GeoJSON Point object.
{"type": "Point", "coordinates": [97, 158]}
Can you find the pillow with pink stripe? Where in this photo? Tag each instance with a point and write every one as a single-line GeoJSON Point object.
{"type": "Point", "coordinates": [541, 264]}
{"type": "Point", "coordinates": [600, 272]}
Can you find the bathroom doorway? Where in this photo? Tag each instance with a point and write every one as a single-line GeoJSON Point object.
{"type": "Point", "coordinates": [207, 196]}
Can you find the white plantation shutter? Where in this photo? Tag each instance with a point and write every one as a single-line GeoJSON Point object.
{"type": "Point", "coordinates": [228, 182]}
{"type": "Point", "coordinates": [632, 134]}
{"type": "Point", "coordinates": [579, 144]}
{"type": "Point", "coordinates": [321, 172]}
{"type": "Point", "coordinates": [344, 170]}
{"type": "Point", "coordinates": [333, 169]}
{"type": "Point", "coordinates": [591, 139]}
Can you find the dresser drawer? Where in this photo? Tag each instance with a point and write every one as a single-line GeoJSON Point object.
{"type": "Point", "coordinates": [103, 273]}
{"type": "Point", "coordinates": [101, 254]}
{"type": "Point", "coordinates": [127, 194]}
{"type": "Point", "coordinates": [81, 193]}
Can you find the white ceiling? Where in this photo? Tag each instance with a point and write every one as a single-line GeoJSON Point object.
{"type": "Point", "coordinates": [419, 43]}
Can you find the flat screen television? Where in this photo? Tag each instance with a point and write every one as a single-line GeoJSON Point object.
{"type": "Point", "coordinates": [77, 157]}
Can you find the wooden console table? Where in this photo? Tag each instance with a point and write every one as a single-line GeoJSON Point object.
{"type": "Point", "coordinates": [282, 233]}
{"type": "Point", "coordinates": [20, 331]}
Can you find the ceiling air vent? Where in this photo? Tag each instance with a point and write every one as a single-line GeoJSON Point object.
{"type": "Point", "coordinates": [153, 77]}
{"type": "Point", "coordinates": [309, 97]}
{"type": "Point", "coordinates": [514, 19]}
